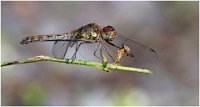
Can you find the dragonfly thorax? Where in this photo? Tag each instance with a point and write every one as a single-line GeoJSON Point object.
{"type": "Point", "coordinates": [109, 33]}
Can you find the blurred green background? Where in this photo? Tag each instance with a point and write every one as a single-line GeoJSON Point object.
{"type": "Point", "coordinates": [171, 28]}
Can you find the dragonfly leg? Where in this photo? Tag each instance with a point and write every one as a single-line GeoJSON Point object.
{"type": "Point", "coordinates": [96, 52]}
{"type": "Point", "coordinates": [101, 52]}
{"type": "Point", "coordinates": [109, 53]}
{"type": "Point", "coordinates": [113, 44]}
{"type": "Point", "coordinates": [78, 46]}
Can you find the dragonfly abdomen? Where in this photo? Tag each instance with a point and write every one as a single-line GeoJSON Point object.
{"type": "Point", "coordinates": [51, 37]}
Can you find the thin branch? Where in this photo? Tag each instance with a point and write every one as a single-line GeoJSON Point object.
{"type": "Point", "coordinates": [103, 66]}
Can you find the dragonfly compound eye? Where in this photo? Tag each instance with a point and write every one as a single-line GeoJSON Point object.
{"type": "Point", "coordinates": [109, 33]}
{"type": "Point", "coordinates": [108, 29]}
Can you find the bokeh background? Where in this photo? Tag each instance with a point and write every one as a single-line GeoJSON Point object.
{"type": "Point", "coordinates": [171, 28]}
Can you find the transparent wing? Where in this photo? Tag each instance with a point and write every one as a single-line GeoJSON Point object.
{"type": "Point", "coordinates": [60, 49]}
{"type": "Point", "coordinates": [86, 52]}
{"type": "Point", "coordinates": [95, 52]}
{"type": "Point", "coordinates": [140, 55]}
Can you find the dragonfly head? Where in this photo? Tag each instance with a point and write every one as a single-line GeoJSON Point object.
{"type": "Point", "coordinates": [109, 33]}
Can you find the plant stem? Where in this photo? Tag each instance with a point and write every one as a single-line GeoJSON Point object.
{"type": "Point", "coordinates": [102, 66]}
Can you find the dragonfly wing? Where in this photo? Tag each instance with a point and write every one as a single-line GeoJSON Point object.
{"type": "Point", "coordinates": [139, 56]}
{"type": "Point", "coordinates": [85, 52]}
{"type": "Point", "coordinates": [92, 52]}
{"type": "Point", "coordinates": [60, 49]}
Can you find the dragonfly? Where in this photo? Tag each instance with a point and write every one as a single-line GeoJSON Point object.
{"type": "Point", "coordinates": [100, 41]}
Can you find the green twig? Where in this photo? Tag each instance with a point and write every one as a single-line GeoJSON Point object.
{"type": "Point", "coordinates": [102, 66]}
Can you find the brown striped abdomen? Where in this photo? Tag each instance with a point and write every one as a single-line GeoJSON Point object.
{"type": "Point", "coordinates": [50, 37]}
